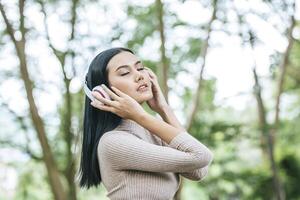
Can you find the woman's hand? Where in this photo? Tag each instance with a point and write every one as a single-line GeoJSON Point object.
{"type": "Point", "coordinates": [121, 104]}
{"type": "Point", "coordinates": [158, 102]}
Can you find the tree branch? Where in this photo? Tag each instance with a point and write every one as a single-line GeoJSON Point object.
{"type": "Point", "coordinates": [21, 11]}
{"type": "Point", "coordinates": [24, 149]}
{"type": "Point", "coordinates": [196, 99]}
{"type": "Point", "coordinates": [9, 28]}
{"type": "Point", "coordinates": [59, 54]}
{"type": "Point", "coordinates": [18, 118]}
{"type": "Point", "coordinates": [38, 123]}
{"type": "Point", "coordinates": [24, 127]}
{"type": "Point", "coordinates": [73, 18]}
{"type": "Point", "coordinates": [283, 68]}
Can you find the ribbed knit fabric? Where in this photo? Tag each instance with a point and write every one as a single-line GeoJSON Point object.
{"type": "Point", "coordinates": [138, 165]}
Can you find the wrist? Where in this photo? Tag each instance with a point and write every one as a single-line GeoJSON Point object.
{"type": "Point", "coordinates": [164, 109]}
{"type": "Point", "coordinates": [142, 117]}
{"type": "Point", "coordinates": [169, 116]}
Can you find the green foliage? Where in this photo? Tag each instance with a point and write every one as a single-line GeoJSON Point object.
{"type": "Point", "coordinates": [292, 80]}
{"type": "Point", "coordinates": [147, 24]}
{"type": "Point", "coordinates": [290, 165]}
{"type": "Point", "coordinates": [236, 172]}
{"type": "Point", "coordinates": [32, 186]}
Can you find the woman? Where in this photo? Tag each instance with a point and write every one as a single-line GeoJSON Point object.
{"type": "Point", "coordinates": [134, 154]}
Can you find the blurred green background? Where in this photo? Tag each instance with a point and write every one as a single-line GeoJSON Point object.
{"type": "Point", "coordinates": [232, 76]}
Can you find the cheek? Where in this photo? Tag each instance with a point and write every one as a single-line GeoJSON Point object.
{"type": "Point", "coordinates": [124, 85]}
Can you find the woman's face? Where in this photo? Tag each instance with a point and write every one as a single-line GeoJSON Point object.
{"type": "Point", "coordinates": [126, 72]}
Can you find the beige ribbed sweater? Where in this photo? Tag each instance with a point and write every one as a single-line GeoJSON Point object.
{"type": "Point", "coordinates": [137, 165]}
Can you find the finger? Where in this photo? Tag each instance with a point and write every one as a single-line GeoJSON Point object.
{"type": "Point", "coordinates": [150, 72]}
{"type": "Point", "coordinates": [150, 75]}
{"type": "Point", "coordinates": [119, 92]}
{"type": "Point", "coordinates": [148, 69]}
{"type": "Point", "coordinates": [110, 93]}
{"type": "Point", "coordinates": [154, 82]}
{"type": "Point", "coordinates": [101, 106]}
{"type": "Point", "coordinates": [100, 99]}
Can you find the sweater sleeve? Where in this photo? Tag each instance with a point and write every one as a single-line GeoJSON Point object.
{"type": "Point", "coordinates": [125, 151]}
{"type": "Point", "coordinates": [194, 175]}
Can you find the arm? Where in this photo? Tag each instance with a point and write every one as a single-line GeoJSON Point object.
{"type": "Point", "coordinates": [168, 116]}
{"type": "Point", "coordinates": [158, 127]}
{"type": "Point", "coordinates": [195, 175]}
{"type": "Point", "coordinates": [124, 151]}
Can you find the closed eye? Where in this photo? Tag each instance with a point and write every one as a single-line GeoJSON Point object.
{"type": "Point", "coordinates": [128, 72]}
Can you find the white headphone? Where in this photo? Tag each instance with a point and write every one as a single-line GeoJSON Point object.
{"type": "Point", "coordinates": [97, 88]}
{"type": "Point", "coordinates": [87, 91]}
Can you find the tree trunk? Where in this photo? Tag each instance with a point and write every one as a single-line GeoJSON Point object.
{"type": "Point", "coordinates": [165, 65]}
{"type": "Point", "coordinates": [54, 177]}
{"type": "Point", "coordinates": [70, 168]}
{"type": "Point", "coordinates": [195, 104]}
{"type": "Point", "coordinates": [196, 100]}
{"type": "Point", "coordinates": [264, 128]}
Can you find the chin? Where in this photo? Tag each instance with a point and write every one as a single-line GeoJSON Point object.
{"type": "Point", "coordinates": [143, 97]}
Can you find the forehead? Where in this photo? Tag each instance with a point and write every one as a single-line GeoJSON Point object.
{"type": "Point", "coordinates": [122, 58]}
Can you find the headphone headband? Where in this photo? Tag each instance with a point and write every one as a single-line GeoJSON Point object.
{"type": "Point", "coordinates": [87, 91]}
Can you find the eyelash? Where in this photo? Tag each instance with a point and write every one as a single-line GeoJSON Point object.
{"type": "Point", "coordinates": [128, 72]}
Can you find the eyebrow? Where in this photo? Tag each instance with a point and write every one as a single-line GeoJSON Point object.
{"type": "Point", "coordinates": [123, 66]}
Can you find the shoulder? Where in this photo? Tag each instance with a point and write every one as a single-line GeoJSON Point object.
{"type": "Point", "coordinates": [114, 138]}
{"type": "Point", "coordinates": [114, 134]}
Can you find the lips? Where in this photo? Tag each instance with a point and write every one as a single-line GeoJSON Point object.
{"type": "Point", "coordinates": [144, 84]}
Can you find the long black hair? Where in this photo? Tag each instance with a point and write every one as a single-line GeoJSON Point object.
{"type": "Point", "coordinates": [96, 122]}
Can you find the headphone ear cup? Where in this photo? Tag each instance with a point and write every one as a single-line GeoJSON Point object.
{"type": "Point", "coordinates": [101, 91]}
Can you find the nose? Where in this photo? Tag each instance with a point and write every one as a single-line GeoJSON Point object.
{"type": "Point", "coordinates": [139, 76]}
